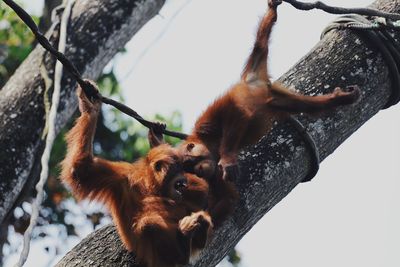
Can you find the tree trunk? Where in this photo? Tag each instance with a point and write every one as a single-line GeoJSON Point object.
{"type": "Point", "coordinates": [273, 167]}
{"type": "Point", "coordinates": [97, 31]}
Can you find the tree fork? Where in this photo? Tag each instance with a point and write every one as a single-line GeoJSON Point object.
{"type": "Point", "coordinates": [273, 167]}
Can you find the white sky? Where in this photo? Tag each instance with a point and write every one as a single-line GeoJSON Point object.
{"type": "Point", "coordinates": [349, 215]}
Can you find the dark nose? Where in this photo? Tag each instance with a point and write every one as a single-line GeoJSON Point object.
{"type": "Point", "coordinates": [180, 184]}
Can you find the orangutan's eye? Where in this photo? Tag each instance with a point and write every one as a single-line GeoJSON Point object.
{"type": "Point", "coordinates": [158, 166]}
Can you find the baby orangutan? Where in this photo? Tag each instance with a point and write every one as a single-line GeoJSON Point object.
{"type": "Point", "coordinates": [222, 193]}
{"type": "Point", "coordinates": [157, 209]}
{"type": "Point", "coordinates": [247, 111]}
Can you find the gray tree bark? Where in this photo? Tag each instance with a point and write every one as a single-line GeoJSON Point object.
{"type": "Point", "coordinates": [97, 31]}
{"type": "Point", "coordinates": [273, 167]}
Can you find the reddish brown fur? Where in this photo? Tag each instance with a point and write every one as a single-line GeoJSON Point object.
{"type": "Point", "coordinates": [247, 111]}
{"type": "Point", "coordinates": [162, 226]}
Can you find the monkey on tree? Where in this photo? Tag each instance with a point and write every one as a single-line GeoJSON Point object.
{"type": "Point", "coordinates": [157, 208]}
{"type": "Point", "coordinates": [247, 111]}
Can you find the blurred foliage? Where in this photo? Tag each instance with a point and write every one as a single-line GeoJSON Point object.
{"type": "Point", "coordinates": [15, 42]}
{"type": "Point", "coordinates": [234, 258]}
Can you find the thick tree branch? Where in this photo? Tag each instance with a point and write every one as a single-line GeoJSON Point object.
{"type": "Point", "coordinates": [98, 30]}
{"type": "Point", "coordinates": [272, 168]}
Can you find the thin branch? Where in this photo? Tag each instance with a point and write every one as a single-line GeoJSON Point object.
{"type": "Point", "coordinates": [342, 10]}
